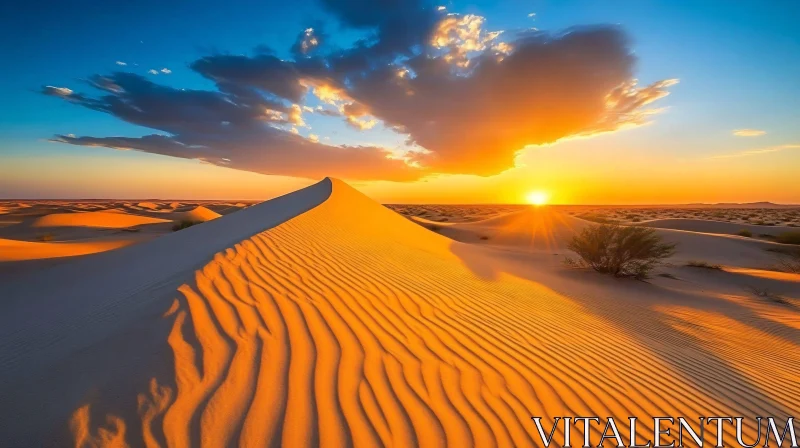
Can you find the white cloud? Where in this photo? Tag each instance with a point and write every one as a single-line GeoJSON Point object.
{"type": "Point", "coordinates": [313, 137]}
{"type": "Point", "coordinates": [152, 72]}
{"type": "Point", "coordinates": [755, 152]}
{"type": "Point", "coordinates": [121, 63]}
{"type": "Point", "coordinates": [748, 132]}
{"type": "Point", "coordinates": [166, 71]}
{"type": "Point", "coordinates": [60, 91]}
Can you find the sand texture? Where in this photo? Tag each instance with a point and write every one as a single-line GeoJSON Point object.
{"type": "Point", "coordinates": [324, 319]}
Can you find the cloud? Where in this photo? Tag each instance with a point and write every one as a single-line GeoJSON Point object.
{"type": "Point", "coordinates": [121, 63]}
{"type": "Point", "coordinates": [57, 91]}
{"type": "Point", "coordinates": [307, 42]}
{"type": "Point", "coordinates": [475, 120]}
{"type": "Point", "coordinates": [466, 99]}
{"type": "Point", "coordinates": [166, 71]}
{"type": "Point", "coordinates": [748, 132]}
{"type": "Point", "coordinates": [153, 71]}
{"type": "Point", "coordinates": [212, 127]}
{"type": "Point", "coordinates": [755, 152]}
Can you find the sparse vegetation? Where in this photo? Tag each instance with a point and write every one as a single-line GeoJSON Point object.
{"type": "Point", "coordinates": [792, 237]}
{"type": "Point", "coordinates": [435, 228]}
{"type": "Point", "coordinates": [745, 233]}
{"type": "Point", "coordinates": [703, 264]}
{"type": "Point", "coordinates": [595, 218]}
{"type": "Point", "coordinates": [46, 237]}
{"type": "Point", "coordinates": [484, 237]}
{"type": "Point", "coordinates": [766, 294]}
{"type": "Point", "coordinates": [184, 224]}
{"type": "Point", "coordinates": [667, 275]}
{"type": "Point", "coordinates": [621, 251]}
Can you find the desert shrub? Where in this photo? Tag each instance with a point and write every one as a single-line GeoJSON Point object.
{"type": "Point", "coordinates": [183, 225]}
{"type": "Point", "coordinates": [595, 218]}
{"type": "Point", "coordinates": [435, 228]}
{"type": "Point", "coordinates": [484, 237]}
{"type": "Point", "coordinates": [766, 294]}
{"type": "Point", "coordinates": [745, 232]}
{"type": "Point", "coordinates": [622, 251]}
{"type": "Point", "coordinates": [703, 264]}
{"type": "Point", "coordinates": [792, 237]}
{"type": "Point", "coordinates": [46, 237]}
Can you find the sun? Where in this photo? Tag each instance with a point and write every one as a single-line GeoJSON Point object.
{"type": "Point", "coordinates": [537, 197]}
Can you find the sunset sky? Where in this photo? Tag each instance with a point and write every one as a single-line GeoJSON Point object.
{"type": "Point", "coordinates": [594, 102]}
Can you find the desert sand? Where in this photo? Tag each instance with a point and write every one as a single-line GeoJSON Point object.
{"type": "Point", "coordinates": [38, 234]}
{"type": "Point", "coordinates": [98, 219]}
{"type": "Point", "coordinates": [324, 318]}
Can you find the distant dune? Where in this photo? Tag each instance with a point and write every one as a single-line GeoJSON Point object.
{"type": "Point", "coordinates": [14, 250]}
{"type": "Point", "coordinates": [321, 318]}
{"type": "Point", "coordinates": [98, 219]}
{"type": "Point", "coordinates": [199, 214]}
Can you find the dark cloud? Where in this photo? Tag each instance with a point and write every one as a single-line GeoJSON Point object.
{"type": "Point", "coordinates": [264, 72]}
{"type": "Point", "coordinates": [469, 97]}
{"type": "Point", "coordinates": [215, 128]}
{"type": "Point", "coordinates": [288, 154]}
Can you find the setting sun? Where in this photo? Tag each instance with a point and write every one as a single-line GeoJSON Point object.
{"type": "Point", "coordinates": [537, 197]}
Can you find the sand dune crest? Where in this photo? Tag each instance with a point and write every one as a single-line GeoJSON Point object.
{"type": "Point", "coordinates": [349, 325]}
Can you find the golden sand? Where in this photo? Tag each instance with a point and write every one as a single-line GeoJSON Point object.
{"type": "Point", "coordinates": [349, 325]}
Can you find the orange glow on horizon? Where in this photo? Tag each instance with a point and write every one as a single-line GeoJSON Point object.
{"type": "Point", "coordinates": [537, 197]}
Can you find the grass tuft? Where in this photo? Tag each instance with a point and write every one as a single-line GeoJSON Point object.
{"type": "Point", "coordinates": [703, 264]}
{"type": "Point", "coordinates": [621, 251]}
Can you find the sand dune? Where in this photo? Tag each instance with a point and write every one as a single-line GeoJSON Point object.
{"type": "Point", "coordinates": [707, 226]}
{"type": "Point", "coordinates": [14, 250]}
{"type": "Point", "coordinates": [98, 219]}
{"type": "Point", "coordinates": [547, 229]}
{"type": "Point", "coordinates": [199, 214]}
{"type": "Point", "coordinates": [322, 318]}
{"type": "Point", "coordinates": [537, 228]}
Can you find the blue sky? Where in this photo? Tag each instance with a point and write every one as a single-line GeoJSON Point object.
{"type": "Point", "coordinates": [738, 64]}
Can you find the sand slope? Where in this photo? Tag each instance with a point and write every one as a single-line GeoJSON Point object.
{"type": "Point", "coordinates": [98, 219]}
{"type": "Point", "coordinates": [350, 325]}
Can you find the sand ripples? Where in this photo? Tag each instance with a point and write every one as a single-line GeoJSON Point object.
{"type": "Point", "coordinates": [349, 326]}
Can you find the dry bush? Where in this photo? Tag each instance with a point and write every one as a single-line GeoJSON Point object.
{"type": "Point", "coordinates": [703, 264]}
{"type": "Point", "coordinates": [788, 238]}
{"type": "Point", "coordinates": [621, 251]}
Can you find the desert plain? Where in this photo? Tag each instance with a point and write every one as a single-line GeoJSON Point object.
{"type": "Point", "coordinates": [323, 318]}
